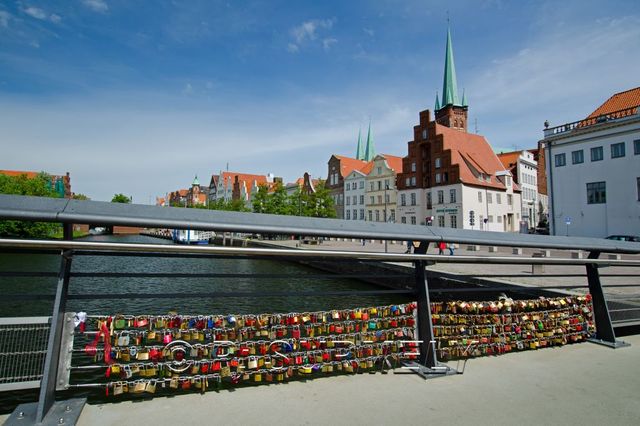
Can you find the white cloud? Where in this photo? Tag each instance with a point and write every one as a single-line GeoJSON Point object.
{"type": "Point", "coordinates": [35, 12]}
{"type": "Point", "coordinates": [369, 32]}
{"type": "Point", "coordinates": [96, 5]}
{"type": "Point", "coordinates": [55, 18]}
{"type": "Point", "coordinates": [327, 42]}
{"type": "Point", "coordinates": [4, 19]}
{"type": "Point", "coordinates": [307, 32]}
{"type": "Point", "coordinates": [35, 44]}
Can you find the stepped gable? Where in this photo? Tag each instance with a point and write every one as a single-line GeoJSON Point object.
{"type": "Point", "coordinates": [619, 101]}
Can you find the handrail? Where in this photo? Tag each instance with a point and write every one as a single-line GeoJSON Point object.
{"type": "Point", "coordinates": [587, 122]}
{"type": "Point", "coordinates": [267, 252]}
{"type": "Point", "coordinates": [17, 207]}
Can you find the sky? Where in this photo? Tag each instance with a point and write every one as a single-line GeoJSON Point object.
{"type": "Point", "coordinates": [138, 97]}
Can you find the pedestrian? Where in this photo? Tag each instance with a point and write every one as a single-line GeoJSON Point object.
{"type": "Point", "coordinates": [451, 248]}
{"type": "Point", "coordinates": [441, 246]}
{"type": "Point", "coordinates": [409, 246]}
{"type": "Point", "coordinates": [363, 240]}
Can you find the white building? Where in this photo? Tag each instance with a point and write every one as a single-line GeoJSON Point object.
{"type": "Point", "coordinates": [354, 193]}
{"type": "Point", "coordinates": [593, 171]}
{"type": "Point", "coordinates": [524, 169]}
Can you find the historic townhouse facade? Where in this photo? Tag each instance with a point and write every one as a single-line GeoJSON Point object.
{"type": "Point", "coordinates": [380, 188]}
{"type": "Point", "coordinates": [593, 171]}
{"type": "Point", "coordinates": [453, 178]}
{"type": "Point", "coordinates": [524, 169]}
{"type": "Point", "coordinates": [354, 193]}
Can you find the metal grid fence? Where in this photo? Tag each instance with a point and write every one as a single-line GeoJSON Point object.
{"type": "Point", "coordinates": [23, 348]}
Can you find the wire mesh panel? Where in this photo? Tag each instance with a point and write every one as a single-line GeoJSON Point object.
{"type": "Point", "coordinates": [23, 348]}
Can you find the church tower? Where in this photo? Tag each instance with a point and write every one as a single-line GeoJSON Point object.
{"type": "Point", "coordinates": [451, 112]}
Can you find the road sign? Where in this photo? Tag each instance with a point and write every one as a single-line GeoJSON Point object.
{"type": "Point", "coordinates": [567, 220]}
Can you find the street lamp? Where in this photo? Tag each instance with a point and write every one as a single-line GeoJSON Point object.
{"type": "Point", "coordinates": [386, 186]}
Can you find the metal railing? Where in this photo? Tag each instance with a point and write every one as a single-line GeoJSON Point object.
{"type": "Point", "coordinates": [68, 212]}
{"type": "Point", "coordinates": [587, 122]}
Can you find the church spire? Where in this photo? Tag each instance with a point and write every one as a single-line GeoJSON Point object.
{"type": "Point", "coordinates": [450, 84]}
{"type": "Point", "coordinates": [437, 102]}
{"type": "Point", "coordinates": [464, 98]}
{"type": "Point", "coordinates": [369, 151]}
{"type": "Point", "coordinates": [360, 147]}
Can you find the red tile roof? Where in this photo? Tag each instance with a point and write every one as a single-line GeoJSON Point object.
{"type": "Point", "coordinates": [509, 159]}
{"type": "Point", "coordinates": [394, 162]}
{"type": "Point", "coordinates": [348, 164]}
{"type": "Point", "coordinates": [244, 177]}
{"type": "Point", "coordinates": [619, 101]}
{"type": "Point", "coordinates": [469, 151]}
{"type": "Point", "coordinates": [30, 175]}
{"type": "Point", "coordinates": [366, 169]}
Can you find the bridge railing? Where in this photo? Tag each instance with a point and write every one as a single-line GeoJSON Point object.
{"type": "Point", "coordinates": [69, 212]}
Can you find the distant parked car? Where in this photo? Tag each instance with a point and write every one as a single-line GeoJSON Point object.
{"type": "Point", "coordinates": [631, 238]}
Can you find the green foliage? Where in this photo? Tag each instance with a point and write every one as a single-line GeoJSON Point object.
{"type": "Point", "coordinates": [318, 204]}
{"type": "Point", "coordinates": [39, 186]}
{"type": "Point", "coordinates": [80, 197]}
{"type": "Point", "coordinates": [121, 198]}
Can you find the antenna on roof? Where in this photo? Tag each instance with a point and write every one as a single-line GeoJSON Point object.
{"type": "Point", "coordinates": [227, 166]}
{"type": "Point", "coordinates": [475, 123]}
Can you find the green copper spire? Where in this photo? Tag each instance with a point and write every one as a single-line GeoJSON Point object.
{"type": "Point", "coordinates": [450, 84]}
{"type": "Point", "coordinates": [437, 102]}
{"type": "Point", "coordinates": [369, 151]}
{"type": "Point", "coordinates": [360, 147]}
{"type": "Point", "coordinates": [195, 182]}
{"type": "Point", "coordinates": [464, 99]}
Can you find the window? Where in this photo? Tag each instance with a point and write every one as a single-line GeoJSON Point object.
{"type": "Point", "coordinates": [407, 181]}
{"type": "Point", "coordinates": [498, 199]}
{"type": "Point", "coordinates": [370, 215]}
{"type": "Point", "coordinates": [441, 221]}
{"type": "Point", "coordinates": [507, 181]}
{"type": "Point", "coordinates": [355, 214]}
{"type": "Point", "coordinates": [479, 196]}
{"type": "Point", "coordinates": [361, 214]}
{"type": "Point", "coordinates": [596, 193]}
{"type": "Point", "coordinates": [596, 154]}
{"type": "Point", "coordinates": [353, 185]}
{"type": "Point", "coordinates": [489, 198]}
{"type": "Point", "coordinates": [379, 170]}
{"type": "Point", "coordinates": [499, 219]}
{"type": "Point", "coordinates": [413, 220]}
{"type": "Point", "coordinates": [403, 220]}
{"type": "Point", "coordinates": [393, 215]}
{"type": "Point", "coordinates": [452, 197]}
{"type": "Point", "coordinates": [379, 185]}
{"type": "Point", "coordinates": [438, 163]}
{"type": "Point", "coordinates": [355, 200]}
{"type": "Point", "coordinates": [379, 199]}
{"type": "Point", "coordinates": [386, 183]}
{"type": "Point", "coordinates": [437, 177]}
{"type": "Point", "coordinates": [638, 187]}
{"type": "Point", "coordinates": [636, 147]}
{"type": "Point", "coordinates": [362, 199]}
{"type": "Point", "coordinates": [340, 199]}
{"type": "Point", "coordinates": [617, 150]}
{"type": "Point", "coordinates": [348, 214]}
{"type": "Point", "coordinates": [348, 200]}
{"type": "Point", "coordinates": [386, 198]}
{"type": "Point", "coordinates": [440, 197]}
{"type": "Point", "coordinates": [403, 199]}
{"type": "Point", "coordinates": [560, 160]}
{"type": "Point", "coordinates": [371, 186]}
{"type": "Point", "coordinates": [577, 157]}
{"type": "Point", "coordinates": [347, 187]}
{"type": "Point", "coordinates": [413, 181]}
{"type": "Point", "coordinates": [361, 184]}
{"type": "Point", "coordinates": [509, 199]}
{"type": "Point", "coordinates": [413, 167]}
{"type": "Point", "coordinates": [373, 199]}
{"type": "Point", "coordinates": [413, 198]}
{"type": "Point", "coordinates": [424, 133]}
{"type": "Point", "coordinates": [454, 221]}
{"type": "Point", "coordinates": [428, 200]}
{"type": "Point", "coordinates": [490, 219]}
{"type": "Point", "coordinates": [377, 215]}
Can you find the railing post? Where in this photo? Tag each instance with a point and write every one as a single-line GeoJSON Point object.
{"type": "Point", "coordinates": [605, 334]}
{"type": "Point", "coordinates": [428, 356]}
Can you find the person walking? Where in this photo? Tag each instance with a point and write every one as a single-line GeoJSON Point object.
{"type": "Point", "coordinates": [451, 248]}
{"type": "Point", "coordinates": [441, 246]}
{"type": "Point", "coordinates": [409, 246]}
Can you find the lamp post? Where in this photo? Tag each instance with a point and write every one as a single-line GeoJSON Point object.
{"type": "Point", "coordinates": [386, 186]}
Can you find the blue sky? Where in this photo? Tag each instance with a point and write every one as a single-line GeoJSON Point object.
{"type": "Point", "coordinates": [139, 96]}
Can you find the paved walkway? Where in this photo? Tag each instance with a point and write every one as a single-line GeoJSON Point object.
{"type": "Point", "coordinates": [552, 276]}
{"type": "Point", "coordinates": [582, 384]}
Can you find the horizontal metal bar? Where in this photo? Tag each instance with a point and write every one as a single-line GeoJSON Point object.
{"type": "Point", "coordinates": [22, 296]}
{"type": "Point", "coordinates": [31, 384]}
{"type": "Point", "coordinates": [24, 320]}
{"type": "Point", "coordinates": [18, 274]}
{"type": "Point", "coordinates": [314, 254]}
{"type": "Point", "coordinates": [217, 275]}
{"type": "Point", "coordinates": [93, 296]}
{"type": "Point", "coordinates": [624, 310]}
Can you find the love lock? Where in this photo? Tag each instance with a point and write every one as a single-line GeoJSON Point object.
{"type": "Point", "coordinates": [179, 349]}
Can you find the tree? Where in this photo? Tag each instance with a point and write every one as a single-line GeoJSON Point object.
{"type": "Point", "coordinates": [121, 198]}
{"type": "Point", "coordinates": [321, 202]}
{"type": "Point", "coordinates": [80, 197]}
{"type": "Point", "coordinates": [278, 202]}
{"type": "Point", "coordinates": [259, 201]}
{"type": "Point", "coordinates": [39, 186]}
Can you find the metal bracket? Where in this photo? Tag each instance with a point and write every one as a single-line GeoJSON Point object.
{"type": "Point", "coordinates": [66, 351]}
{"type": "Point", "coordinates": [61, 413]}
{"type": "Point", "coordinates": [429, 373]}
{"type": "Point", "coordinates": [615, 345]}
